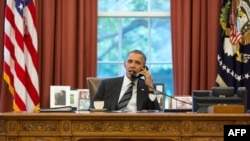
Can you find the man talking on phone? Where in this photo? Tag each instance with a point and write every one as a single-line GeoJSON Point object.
{"type": "Point", "coordinates": [132, 92]}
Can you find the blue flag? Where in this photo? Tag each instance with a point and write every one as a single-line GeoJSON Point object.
{"type": "Point", "coordinates": [234, 47]}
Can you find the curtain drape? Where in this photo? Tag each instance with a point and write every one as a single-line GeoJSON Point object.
{"type": "Point", "coordinates": [67, 46]}
{"type": "Point", "coordinates": [195, 32]}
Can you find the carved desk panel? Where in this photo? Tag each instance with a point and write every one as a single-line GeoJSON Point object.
{"type": "Point", "coordinates": [116, 126]}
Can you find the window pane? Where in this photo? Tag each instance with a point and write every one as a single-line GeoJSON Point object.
{"type": "Point", "coordinates": [108, 5]}
{"type": "Point", "coordinates": [161, 40]}
{"type": "Point", "coordinates": [134, 5]}
{"type": "Point", "coordinates": [160, 5]}
{"type": "Point", "coordinates": [134, 35]}
{"type": "Point", "coordinates": [108, 38]}
{"type": "Point", "coordinates": [107, 70]}
{"type": "Point", "coordinates": [163, 73]}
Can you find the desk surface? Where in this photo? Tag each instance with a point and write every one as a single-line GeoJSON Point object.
{"type": "Point", "coordinates": [24, 126]}
{"type": "Point", "coordinates": [87, 114]}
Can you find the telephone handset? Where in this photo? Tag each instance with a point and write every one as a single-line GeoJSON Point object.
{"type": "Point", "coordinates": [137, 75]}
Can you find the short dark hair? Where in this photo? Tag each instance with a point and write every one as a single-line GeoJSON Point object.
{"type": "Point", "coordinates": [139, 52]}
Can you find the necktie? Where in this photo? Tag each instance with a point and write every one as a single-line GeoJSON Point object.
{"type": "Point", "coordinates": [125, 99]}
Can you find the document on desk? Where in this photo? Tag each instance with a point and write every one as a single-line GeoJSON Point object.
{"type": "Point", "coordinates": [58, 109]}
{"type": "Point", "coordinates": [142, 111]}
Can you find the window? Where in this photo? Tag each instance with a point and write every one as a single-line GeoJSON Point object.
{"type": "Point", "coordinates": [124, 25]}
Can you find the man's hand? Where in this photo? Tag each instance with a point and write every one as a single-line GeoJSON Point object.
{"type": "Point", "coordinates": [148, 79]}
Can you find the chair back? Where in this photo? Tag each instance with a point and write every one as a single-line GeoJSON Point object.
{"type": "Point", "coordinates": [93, 83]}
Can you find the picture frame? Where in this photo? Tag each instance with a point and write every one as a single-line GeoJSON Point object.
{"type": "Point", "coordinates": [83, 99]}
{"type": "Point", "coordinates": [59, 96]}
{"type": "Point", "coordinates": [160, 95]}
{"type": "Point", "coordinates": [74, 97]}
{"type": "Point", "coordinates": [159, 87]}
{"type": "Point", "coordinates": [181, 102]}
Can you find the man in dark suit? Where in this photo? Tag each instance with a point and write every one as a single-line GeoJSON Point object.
{"type": "Point", "coordinates": [111, 90]}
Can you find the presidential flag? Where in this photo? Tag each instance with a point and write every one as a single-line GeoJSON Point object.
{"type": "Point", "coordinates": [21, 54]}
{"type": "Point", "coordinates": [234, 48]}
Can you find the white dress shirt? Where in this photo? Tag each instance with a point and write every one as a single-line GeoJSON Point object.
{"type": "Point", "coordinates": [132, 106]}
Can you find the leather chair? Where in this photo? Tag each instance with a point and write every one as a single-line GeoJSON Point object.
{"type": "Point", "coordinates": [93, 83]}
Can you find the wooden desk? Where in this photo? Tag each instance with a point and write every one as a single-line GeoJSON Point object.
{"type": "Point", "coordinates": [116, 126]}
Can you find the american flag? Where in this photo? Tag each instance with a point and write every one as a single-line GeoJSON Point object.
{"type": "Point", "coordinates": [234, 55]}
{"type": "Point", "coordinates": [235, 35]}
{"type": "Point", "coordinates": [21, 54]}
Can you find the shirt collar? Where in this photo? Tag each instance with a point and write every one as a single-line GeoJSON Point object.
{"type": "Point", "coordinates": [127, 82]}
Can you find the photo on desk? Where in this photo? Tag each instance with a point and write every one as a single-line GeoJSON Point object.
{"type": "Point", "coordinates": [181, 102]}
{"type": "Point", "coordinates": [59, 96]}
{"type": "Point", "coordinates": [159, 87]}
{"type": "Point", "coordinates": [83, 99]}
{"type": "Point", "coordinates": [74, 97]}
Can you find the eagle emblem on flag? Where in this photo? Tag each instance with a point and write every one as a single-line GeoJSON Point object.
{"type": "Point", "coordinates": [234, 47]}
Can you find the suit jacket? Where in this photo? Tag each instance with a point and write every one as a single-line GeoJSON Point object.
{"type": "Point", "coordinates": [109, 91]}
